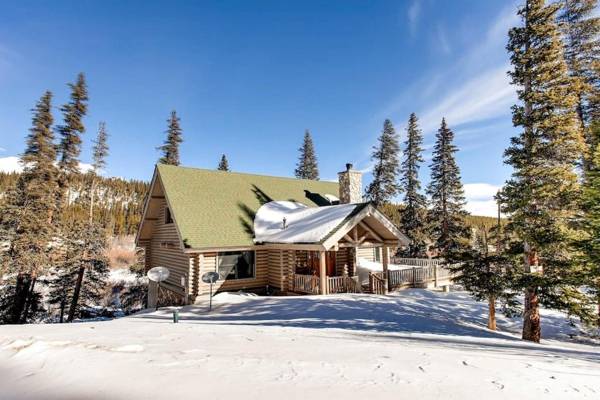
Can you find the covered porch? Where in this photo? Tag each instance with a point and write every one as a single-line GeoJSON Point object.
{"type": "Point", "coordinates": [322, 246]}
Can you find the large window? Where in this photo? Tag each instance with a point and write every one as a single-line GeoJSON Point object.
{"type": "Point", "coordinates": [236, 264]}
{"type": "Point", "coordinates": [168, 216]}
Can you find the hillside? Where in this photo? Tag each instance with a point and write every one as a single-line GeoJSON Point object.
{"type": "Point", "coordinates": [119, 202]}
{"type": "Point", "coordinates": [413, 344]}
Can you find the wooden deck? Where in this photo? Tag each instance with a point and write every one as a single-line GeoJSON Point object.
{"type": "Point", "coordinates": [423, 274]}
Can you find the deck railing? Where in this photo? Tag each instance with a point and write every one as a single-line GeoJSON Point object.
{"type": "Point", "coordinates": [342, 284]}
{"type": "Point", "coordinates": [419, 276]}
{"type": "Point", "coordinates": [376, 283]}
{"type": "Point", "coordinates": [309, 284]}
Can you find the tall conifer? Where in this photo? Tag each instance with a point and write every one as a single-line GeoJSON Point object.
{"type": "Point", "coordinates": [170, 148]}
{"type": "Point", "coordinates": [413, 215]}
{"type": "Point", "coordinates": [223, 164]}
{"type": "Point", "coordinates": [581, 32]}
{"type": "Point", "coordinates": [70, 133]}
{"type": "Point", "coordinates": [26, 218]}
{"type": "Point", "coordinates": [541, 196]}
{"type": "Point", "coordinates": [386, 166]}
{"type": "Point", "coordinates": [446, 215]}
{"type": "Point", "coordinates": [100, 152]}
{"type": "Point", "coordinates": [307, 167]}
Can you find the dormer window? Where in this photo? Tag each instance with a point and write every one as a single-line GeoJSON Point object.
{"type": "Point", "coordinates": [168, 217]}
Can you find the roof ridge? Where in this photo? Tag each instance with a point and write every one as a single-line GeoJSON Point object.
{"type": "Point", "coordinates": [242, 173]}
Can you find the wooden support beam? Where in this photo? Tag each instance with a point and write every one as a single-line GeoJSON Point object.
{"type": "Point", "coordinates": [371, 231]}
{"type": "Point", "coordinates": [157, 197]}
{"type": "Point", "coordinates": [386, 257]}
{"type": "Point", "coordinates": [323, 272]}
{"type": "Point", "coordinates": [151, 219]}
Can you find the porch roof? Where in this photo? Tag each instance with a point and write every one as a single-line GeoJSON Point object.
{"type": "Point", "coordinates": [292, 223]}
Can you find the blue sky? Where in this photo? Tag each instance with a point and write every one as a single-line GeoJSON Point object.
{"type": "Point", "coordinates": [247, 78]}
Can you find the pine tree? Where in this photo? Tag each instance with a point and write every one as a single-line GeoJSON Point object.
{"type": "Point", "coordinates": [100, 153]}
{"type": "Point", "coordinates": [413, 215]}
{"type": "Point", "coordinates": [170, 148]}
{"type": "Point", "coordinates": [590, 245]}
{"type": "Point", "coordinates": [486, 275]}
{"type": "Point", "coordinates": [541, 196]}
{"type": "Point", "coordinates": [85, 267]}
{"type": "Point", "coordinates": [307, 167]}
{"type": "Point", "coordinates": [446, 215]}
{"type": "Point", "coordinates": [581, 32]}
{"type": "Point", "coordinates": [70, 133]}
{"type": "Point", "coordinates": [223, 164]}
{"type": "Point", "coordinates": [386, 169]}
{"type": "Point", "coordinates": [26, 218]}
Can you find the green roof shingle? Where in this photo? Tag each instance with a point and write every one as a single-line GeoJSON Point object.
{"type": "Point", "coordinates": [217, 208]}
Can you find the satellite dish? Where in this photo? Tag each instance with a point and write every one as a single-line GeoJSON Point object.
{"type": "Point", "coordinates": [210, 277]}
{"type": "Point", "coordinates": [158, 274]}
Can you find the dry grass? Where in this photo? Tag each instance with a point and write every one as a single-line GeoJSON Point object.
{"type": "Point", "coordinates": [121, 253]}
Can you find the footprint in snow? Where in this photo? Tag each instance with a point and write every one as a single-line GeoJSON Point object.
{"type": "Point", "coordinates": [422, 369]}
{"type": "Point", "coordinates": [498, 385]}
{"type": "Point", "coordinates": [465, 363]}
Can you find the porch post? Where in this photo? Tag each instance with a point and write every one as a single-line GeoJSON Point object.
{"type": "Point", "coordinates": [385, 268]}
{"type": "Point", "coordinates": [323, 272]}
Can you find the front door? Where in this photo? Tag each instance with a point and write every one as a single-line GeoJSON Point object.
{"type": "Point", "coordinates": [330, 263]}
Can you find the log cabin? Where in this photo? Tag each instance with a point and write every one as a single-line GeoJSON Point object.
{"type": "Point", "coordinates": [261, 233]}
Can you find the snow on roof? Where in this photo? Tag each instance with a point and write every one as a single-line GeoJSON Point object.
{"type": "Point", "coordinates": [302, 224]}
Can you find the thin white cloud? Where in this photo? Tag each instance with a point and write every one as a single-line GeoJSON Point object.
{"type": "Point", "coordinates": [2, 149]}
{"type": "Point", "coordinates": [414, 12]}
{"type": "Point", "coordinates": [482, 97]}
{"type": "Point", "coordinates": [442, 40]}
{"type": "Point", "coordinates": [480, 199]}
{"type": "Point", "coordinates": [13, 164]}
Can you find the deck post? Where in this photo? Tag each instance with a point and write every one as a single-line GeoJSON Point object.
{"type": "Point", "coordinates": [385, 257]}
{"type": "Point", "coordinates": [323, 272]}
{"type": "Point", "coordinates": [435, 276]}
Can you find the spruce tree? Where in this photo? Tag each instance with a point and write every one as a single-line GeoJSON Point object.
{"type": "Point", "coordinates": [26, 219]}
{"type": "Point", "coordinates": [386, 166]}
{"type": "Point", "coordinates": [70, 133]}
{"type": "Point", "coordinates": [541, 196]}
{"type": "Point", "coordinates": [413, 215]}
{"type": "Point", "coordinates": [590, 245]}
{"type": "Point", "coordinates": [170, 148]}
{"type": "Point", "coordinates": [446, 216]}
{"type": "Point", "coordinates": [486, 275]}
{"type": "Point", "coordinates": [223, 164]}
{"type": "Point", "coordinates": [581, 32]}
{"type": "Point", "coordinates": [82, 276]}
{"type": "Point", "coordinates": [100, 152]}
{"type": "Point", "coordinates": [307, 167]}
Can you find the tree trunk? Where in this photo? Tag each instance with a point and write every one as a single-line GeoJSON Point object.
{"type": "Point", "coordinates": [21, 292]}
{"type": "Point", "coordinates": [492, 313]}
{"type": "Point", "coordinates": [63, 303]}
{"type": "Point", "coordinates": [92, 202]}
{"type": "Point", "coordinates": [76, 292]}
{"type": "Point", "coordinates": [531, 318]}
{"type": "Point", "coordinates": [28, 300]}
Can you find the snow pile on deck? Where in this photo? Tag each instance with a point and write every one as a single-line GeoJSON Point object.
{"type": "Point", "coordinates": [415, 344]}
{"type": "Point", "coordinates": [302, 224]}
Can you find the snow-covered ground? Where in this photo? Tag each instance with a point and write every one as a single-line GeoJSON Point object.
{"type": "Point", "coordinates": [415, 344]}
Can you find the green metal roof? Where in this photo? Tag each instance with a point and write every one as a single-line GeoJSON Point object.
{"type": "Point", "coordinates": [217, 208]}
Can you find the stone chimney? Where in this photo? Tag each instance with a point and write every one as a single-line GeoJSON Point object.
{"type": "Point", "coordinates": [350, 185]}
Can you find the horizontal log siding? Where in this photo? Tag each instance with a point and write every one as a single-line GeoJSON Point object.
{"type": "Point", "coordinates": [165, 251]}
{"type": "Point", "coordinates": [342, 257]}
{"type": "Point", "coordinates": [275, 261]}
{"type": "Point", "coordinates": [208, 262]}
{"type": "Point", "coordinates": [368, 253]}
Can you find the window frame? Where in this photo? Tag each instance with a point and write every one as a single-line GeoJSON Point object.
{"type": "Point", "coordinates": [168, 216]}
{"type": "Point", "coordinates": [219, 254]}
